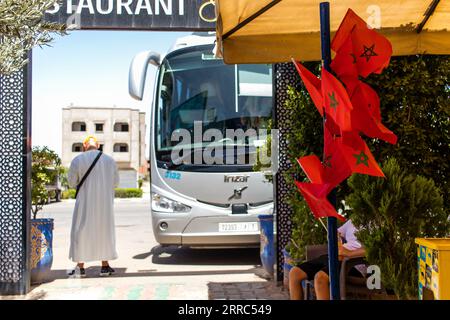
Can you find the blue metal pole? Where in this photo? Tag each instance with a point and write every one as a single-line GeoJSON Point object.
{"type": "Point", "coordinates": [333, 260]}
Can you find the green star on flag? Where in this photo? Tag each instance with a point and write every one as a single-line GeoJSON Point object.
{"type": "Point", "coordinates": [368, 52]}
{"type": "Point", "coordinates": [333, 102]}
{"type": "Point", "coordinates": [362, 158]}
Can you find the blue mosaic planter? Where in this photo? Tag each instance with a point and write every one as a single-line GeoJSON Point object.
{"type": "Point", "coordinates": [41, 259]}
{"type": "Point", "coordinates": [267, 247]}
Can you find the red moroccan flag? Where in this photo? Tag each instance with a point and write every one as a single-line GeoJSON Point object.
{"type": "Point", "coordinates": [312, 167]}
{"type": "Point", "coordinates": [366, 114]}
{"type": "Point", "coordinates": [336, 102]}
{"type": "Point", "coordinates": [346, 155]}
{"type": "Point", "coordinates": [357, 155]}
{"type": "Point", "coordinates": [332, 172]}
{"type": "Point", "coordinates": [316, 197]}
{"type": "Point", "coordinates": [335, 165]}
{"type": "Point", "coordinates": [363, 96]}
{"type": "Point", "coordinates": [372, 50]}
{"type": "Point", "coordinates": [363, 121]}
{"type": "Point", "coordinates": [350, 21]}
{"type": "Point", "coordinates": [344, 62]}
{"type": "Point", "coordinates": [358, 46]}
{"type": "Point", "coordinates": [312, 84]}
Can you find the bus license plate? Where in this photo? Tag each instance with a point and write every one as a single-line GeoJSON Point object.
{"type": "Point", "coordinates": [238, 227]}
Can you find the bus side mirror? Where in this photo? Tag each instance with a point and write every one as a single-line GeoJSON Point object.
{"type": "Point", "coordinates": [138, 72]}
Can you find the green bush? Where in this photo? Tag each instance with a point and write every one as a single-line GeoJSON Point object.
{"type": "Point", "coordinates": [140, 183]}
{"type": "Point", "coordinates": [415, 104]}
{"type": "Point", "coordinates": [68, 194]}
{"type": "Point", "coordinates": [45, 167]}
{"type": "Point", "coordinates": [390, 213]}
{"type": "Point", "coordinates": [128, 193]}
{"type": "Point", "coordinates": [118, 193]}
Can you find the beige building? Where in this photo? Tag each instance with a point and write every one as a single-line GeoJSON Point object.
{"type": "Point", "coordinates": [120, 132]}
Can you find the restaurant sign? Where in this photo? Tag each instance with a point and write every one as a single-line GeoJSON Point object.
{"type": "Point", "coordinates": [163, 15]}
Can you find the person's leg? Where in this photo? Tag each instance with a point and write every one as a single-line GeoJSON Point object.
{"type": "Point", "coordinates": [106, 270]}
{"type": "Point", "coordinates": [303, 271]}
{"type": "Point", "coordinates": [322, 285]}
{"type": "Point", "coordinates": [78, 270]}
{"type": "Point", "coordinates": [296, 276]}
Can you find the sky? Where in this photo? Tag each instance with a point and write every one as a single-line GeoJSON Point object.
{"type": "Point", "coordinates": [89, 68]}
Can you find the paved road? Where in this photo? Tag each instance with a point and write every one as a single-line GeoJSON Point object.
{"type": "Point", "coordinates": [143, 270]}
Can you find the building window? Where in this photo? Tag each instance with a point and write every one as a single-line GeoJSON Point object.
{"type": "Point", "coordinates": [78, 126]}
{"type": "Point", "coordinates": [101, 147]}
{"type": "Point", "coordinates": [99, 127]}
{"type": "Point", "coordinates": [121, 127]}
{"type": "Point", "coordinates": [77, 147]}
{"type": "Point", "coordinates": [120, 147]}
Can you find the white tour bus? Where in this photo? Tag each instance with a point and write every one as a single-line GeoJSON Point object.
{"type": "Point", "coordinates": [197, 202]}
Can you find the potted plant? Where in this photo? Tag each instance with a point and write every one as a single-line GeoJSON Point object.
{"type": "Point", "coordinates": [390, 213]}
{"type": "Point", "coordinates": [267, 246]}
{"type": "Point", "coordinates": [45, 165]}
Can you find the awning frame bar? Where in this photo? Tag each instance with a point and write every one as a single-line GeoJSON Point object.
{"type": "Point", "coordinates": [427, 14]}
{"type": "Point", "coordinates": [250, 19]}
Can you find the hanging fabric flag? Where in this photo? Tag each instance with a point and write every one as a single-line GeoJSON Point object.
{"type": "Point", "coordinates": [312, 167]}
{"type": "Point", "coordinates": [331, 172]}
{"type": "Point", "coordinates": [312, 84]}
{"type": "Point", "coordinates": [358, 46]}
{"type": "Point", "coordinates": [366, 114]}
{"type": "Point", "coordinates": [336, 168]}
{"type": "Point", "coordinates": [362, 95]}
{"type": "Point", "coordinates": [336, 102]}
{"type": "Point", "coordinates": [348, 154]}
{"type": "Point", "coordinates": [316, 197]}
{"type": "Point", "coordinates": [357, 155]}
{"type": "Point", "coordinates": [350, 21]}
{"type": "Point", "coordinates": [372, 50]}
{"type": "Point", "coordinates": [344, 63]}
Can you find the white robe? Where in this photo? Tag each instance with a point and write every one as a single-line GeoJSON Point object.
{"type": "Point", "coordinates": [93, 230]}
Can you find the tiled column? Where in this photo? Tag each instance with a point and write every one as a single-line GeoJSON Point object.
{"type": "Point", "coordinates": [15, 170]}
{"type": "Point", "coordinates": [285, 74]}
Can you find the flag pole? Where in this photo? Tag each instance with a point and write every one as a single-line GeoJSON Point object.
{"type": "Point", "coordinates": [333, 261]}
{"type": "Point", "coordinates": [323, 225]}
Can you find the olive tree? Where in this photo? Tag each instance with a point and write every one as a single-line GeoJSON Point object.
{"type": "Point", "coordinates": [21, 28]}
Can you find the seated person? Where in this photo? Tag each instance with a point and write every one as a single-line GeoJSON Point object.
{"type": "Point", "coordinates": [317, 269]}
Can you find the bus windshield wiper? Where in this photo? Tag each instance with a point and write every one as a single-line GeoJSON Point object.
{"type": "Point", "coordinates": [173, 166]}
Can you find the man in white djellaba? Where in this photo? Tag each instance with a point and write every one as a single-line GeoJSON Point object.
{"type": "Point", "coordinates": [93, 238]}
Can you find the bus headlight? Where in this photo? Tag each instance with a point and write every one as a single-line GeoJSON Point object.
{"type": "Point", "coordinates": [163, 204]}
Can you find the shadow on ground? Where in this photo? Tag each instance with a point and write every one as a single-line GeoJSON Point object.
{"type": "Point", "coordinates": [121, 273]}
{"type": "Point", "coordinates": [181, 256]}
{"type": "Point", "coordinates": [185, 256]}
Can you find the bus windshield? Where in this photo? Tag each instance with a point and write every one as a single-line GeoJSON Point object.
{"type": "Point", "coordinates": [195, 88]}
